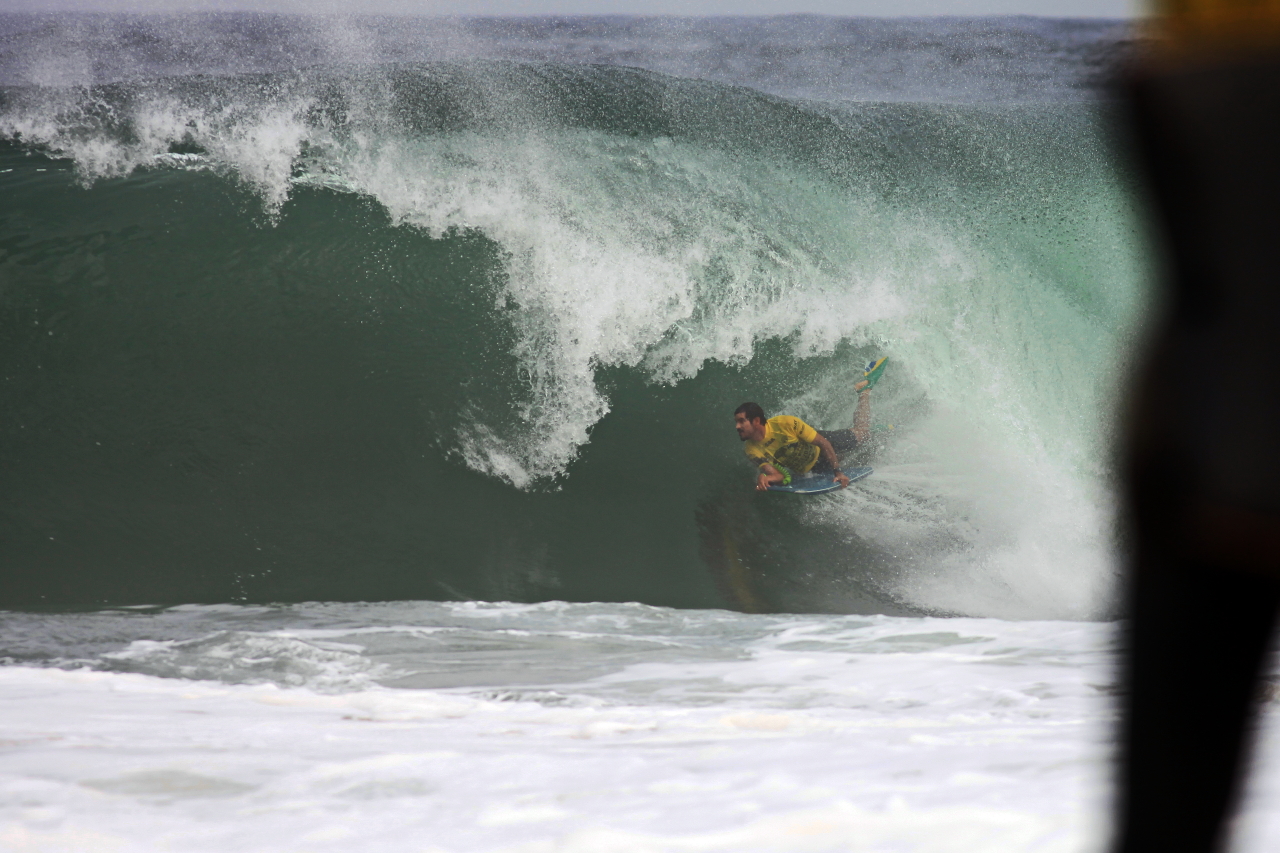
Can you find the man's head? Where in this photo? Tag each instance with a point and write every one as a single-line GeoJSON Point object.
{"type": "Point", "coordinates": [748, 420]}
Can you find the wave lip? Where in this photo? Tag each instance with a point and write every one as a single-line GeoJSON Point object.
{"type": "Point", "coordinates": [640, 217]}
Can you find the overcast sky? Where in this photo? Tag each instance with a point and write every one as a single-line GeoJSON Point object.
{"type": "Point", "coordinates": [1052, 8]}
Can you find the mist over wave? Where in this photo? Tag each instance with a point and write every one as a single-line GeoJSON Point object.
{"type": "Point", "coordinates": [471, 327]}
{"type": "Point", "coordinates": [991, 59]}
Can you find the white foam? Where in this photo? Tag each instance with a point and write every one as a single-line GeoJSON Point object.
{"type": "Point", "coordinates": [817, 735]}
{"type": "Point", "coordinates": [240, 657]}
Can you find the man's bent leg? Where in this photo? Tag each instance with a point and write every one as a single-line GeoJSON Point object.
{"type": "Point", "coordinates": [862, 418]}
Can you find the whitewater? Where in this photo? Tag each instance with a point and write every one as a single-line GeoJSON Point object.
{"type": "Point", "coordinates": [369, 479]}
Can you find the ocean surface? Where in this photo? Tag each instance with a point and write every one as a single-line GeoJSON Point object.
{"type": "Point", "coordinates": [369, 479]}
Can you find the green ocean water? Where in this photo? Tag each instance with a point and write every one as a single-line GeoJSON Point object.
{"type": "Point", "coordinates": [476, 330]}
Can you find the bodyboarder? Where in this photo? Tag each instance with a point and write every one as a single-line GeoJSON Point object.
{"type": "Point", "coordinates": [784, 446]}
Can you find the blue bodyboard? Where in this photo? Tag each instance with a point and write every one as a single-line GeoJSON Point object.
{"type": "Point", "coordinates": [818, 484]}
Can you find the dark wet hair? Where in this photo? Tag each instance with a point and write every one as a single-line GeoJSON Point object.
{"type": "Point", "coordinates": [752, 411]}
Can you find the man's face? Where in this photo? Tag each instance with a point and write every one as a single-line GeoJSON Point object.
{"type": "Point", "coordinates": [745, 428]}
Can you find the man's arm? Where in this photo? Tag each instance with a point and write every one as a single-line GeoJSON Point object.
{"type": "Point", "coordinates": [829, 453]}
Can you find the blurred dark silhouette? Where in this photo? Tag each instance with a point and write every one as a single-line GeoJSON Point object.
{"type": "Point", "coordinates": [1202, 448]}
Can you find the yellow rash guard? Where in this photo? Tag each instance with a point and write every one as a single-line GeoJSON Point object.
{"type": "Point", "coordinates": [788, 443]}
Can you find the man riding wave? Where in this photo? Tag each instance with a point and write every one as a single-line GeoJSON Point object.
{"type": "Point", "coordinates": [784, 445]}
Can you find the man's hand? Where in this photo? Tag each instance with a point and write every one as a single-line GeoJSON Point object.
{"type": "Point", "coordinates": [841, 479]}
{"type": "Point", "coordinates": [769, 476]}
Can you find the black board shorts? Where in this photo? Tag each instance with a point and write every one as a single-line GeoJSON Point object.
{"type": "Point", "coordinates": [842, 441]}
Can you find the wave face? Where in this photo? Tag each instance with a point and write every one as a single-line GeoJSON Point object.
{"type": "Point", "coordinates": [474, 328]}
